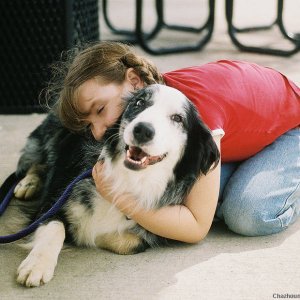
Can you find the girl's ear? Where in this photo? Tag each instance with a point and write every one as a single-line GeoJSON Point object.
{"type": "Point", "coordinates": [134, 79]}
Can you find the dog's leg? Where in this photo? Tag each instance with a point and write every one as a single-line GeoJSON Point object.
{"type": "Point", "coordinates": [30, 184]}
{"type": "Point", "coordinates": [121, 243]}
{"type": "Point", "coordinates": [38, 267]}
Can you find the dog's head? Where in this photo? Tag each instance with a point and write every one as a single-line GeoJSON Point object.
{"type": "Point", "coordinates": [161, 126]}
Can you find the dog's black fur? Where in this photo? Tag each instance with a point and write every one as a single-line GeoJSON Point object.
{"type": "Point", "coordinates": [64, 155]}
{"type": "Point", "coordinates": [56, 156]}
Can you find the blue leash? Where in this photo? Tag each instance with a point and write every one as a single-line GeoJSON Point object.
{"type": "Point", "coordinates": [51, 212]}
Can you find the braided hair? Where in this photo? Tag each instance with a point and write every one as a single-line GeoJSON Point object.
{"type": "Point", "coordinates": [106, 60]}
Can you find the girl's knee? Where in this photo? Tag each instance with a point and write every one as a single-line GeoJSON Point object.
{"type": "Point", "coordinates": [249, 221]}
{"type": "Point", "coordinates": [252, 226]}
{"type": "Point", "coordinates": [262, 196]}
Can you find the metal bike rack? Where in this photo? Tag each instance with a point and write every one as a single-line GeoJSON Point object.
{"type": "Point", "coordinates": [138, 35]}
{"type": "Point", "coordinates": [294, 38]}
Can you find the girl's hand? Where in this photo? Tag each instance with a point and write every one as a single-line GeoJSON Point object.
{"type": "Point", "coordinates": [124, 202]}
{"type": "Point", "coordinates": [189, 222]}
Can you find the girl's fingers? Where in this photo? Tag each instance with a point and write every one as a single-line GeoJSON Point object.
{"type": "Point", "coordinates": [97, 169]}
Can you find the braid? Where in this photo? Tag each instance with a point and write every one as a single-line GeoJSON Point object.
{"type": "Point", "coordinates": [143, 67]}
{"type": "Point", "coordinates": [106, 60]}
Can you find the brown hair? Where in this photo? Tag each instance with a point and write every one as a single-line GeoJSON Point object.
{"type": "Point", "coordinates": [107, 60]}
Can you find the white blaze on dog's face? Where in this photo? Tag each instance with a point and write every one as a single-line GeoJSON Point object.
{"type": "Point", "coordinates": [153, 125]}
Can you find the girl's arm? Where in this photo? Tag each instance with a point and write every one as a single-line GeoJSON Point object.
{"type": "Point", "coordinates": [189, 222]}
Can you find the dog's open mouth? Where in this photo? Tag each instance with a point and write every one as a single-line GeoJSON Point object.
{"type": "Point", "coordinates": [137, 159]}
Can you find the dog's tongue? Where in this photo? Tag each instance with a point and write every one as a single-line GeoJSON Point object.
{"type": "Point", "coordinates": [137, 153]}
{"type": "Point", "coordinates": [137, 159]}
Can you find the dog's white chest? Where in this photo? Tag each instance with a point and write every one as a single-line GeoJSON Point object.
{"type": "Point", "coordinates": [146, 187]}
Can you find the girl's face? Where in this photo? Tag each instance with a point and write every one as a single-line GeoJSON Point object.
{"type": "Point", "coordinates": [102, 103]}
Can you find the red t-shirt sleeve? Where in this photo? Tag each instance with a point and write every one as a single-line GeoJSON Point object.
{"type": "Point", "coordinates": [252, 104]}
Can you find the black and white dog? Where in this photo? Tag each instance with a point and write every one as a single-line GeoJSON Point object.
{"type": "Point", "coordinates": [156, 151]}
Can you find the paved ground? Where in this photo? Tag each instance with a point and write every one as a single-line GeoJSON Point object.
{"type": "Point", "coordinates": [224, 265]}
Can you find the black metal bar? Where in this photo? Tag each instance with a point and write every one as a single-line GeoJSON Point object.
{"type": "Point", "coordinates": [160, 13]}
{"type": "Point", "coordinates": [141, 37]}
{"type": "Point", "coordinates": [293, 37]}
{"type": "Point", "coordinates": [131, 34]}
{"type": "Point", "coordinates": [232, 30]}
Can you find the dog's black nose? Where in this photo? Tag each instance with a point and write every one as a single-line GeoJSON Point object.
{"type": "Point", "coordinates": [143, 132]}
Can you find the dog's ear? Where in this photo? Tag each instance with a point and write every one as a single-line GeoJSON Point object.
{"type": "Point", "coordinates": [201, 152]}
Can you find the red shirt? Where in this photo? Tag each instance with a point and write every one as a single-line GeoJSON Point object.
{"type": "Point", "coordinates": [252, 104]}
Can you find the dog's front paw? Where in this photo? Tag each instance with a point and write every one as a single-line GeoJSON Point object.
{"type": "Point", "coordinates": [35, 270]}
{"type": "Point", "coordinates": [27, 187]}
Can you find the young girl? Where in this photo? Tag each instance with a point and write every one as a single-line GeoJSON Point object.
{"type": "Point", "coordinates": [253, 113]}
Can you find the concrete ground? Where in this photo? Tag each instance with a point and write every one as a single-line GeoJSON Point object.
{"type": "Point", "coordinates": [224, 265]}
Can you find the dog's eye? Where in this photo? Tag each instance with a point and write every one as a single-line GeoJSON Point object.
{"type": "Point", "coordinates": [140, 103]}
{"type": "Point", "coordinates": [177, 118]}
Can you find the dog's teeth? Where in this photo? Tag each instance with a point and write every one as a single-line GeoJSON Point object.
{"type": "Point", "coordinates": [143, 159]}
{"type": "Point", "coordinates": [128, 153]}
{"type": "Point", "coordinates": [137, 162]}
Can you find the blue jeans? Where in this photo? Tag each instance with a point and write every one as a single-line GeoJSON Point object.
{"type": "Point", "coordinates": [261, 195]}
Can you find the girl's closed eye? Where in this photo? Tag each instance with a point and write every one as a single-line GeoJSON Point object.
{"type": "Point", "coordinates": [100, 109]}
